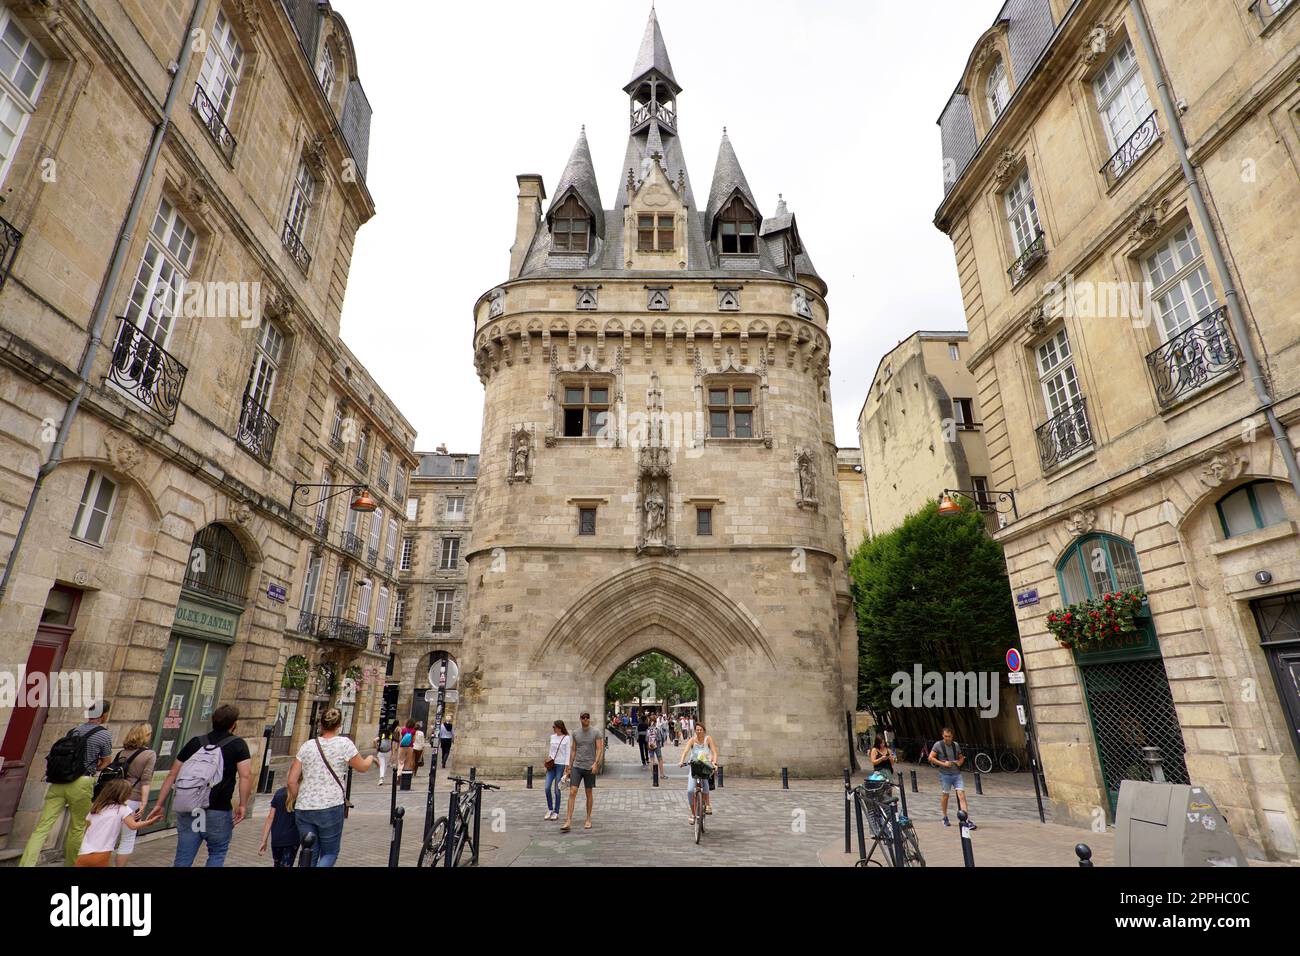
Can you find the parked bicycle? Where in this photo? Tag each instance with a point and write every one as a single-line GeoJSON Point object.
{"type": "Point", "coordinates": [452, 834]}
{"type": "Point", "coordinates": [891, 828]}
{"type": "Point", "coordinates": [985, 758]}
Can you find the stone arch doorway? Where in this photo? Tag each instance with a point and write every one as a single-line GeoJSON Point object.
{"type": "Point", "coordinates": [650, 684]}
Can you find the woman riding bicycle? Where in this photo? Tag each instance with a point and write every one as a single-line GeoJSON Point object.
{"type": "Point", "coordinates": [699, 748]}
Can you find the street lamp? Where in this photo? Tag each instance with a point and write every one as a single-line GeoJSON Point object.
{"type": "Point", "coordinates": [984, 500]}
{"type": "Point", "coordinates": [362, 500]}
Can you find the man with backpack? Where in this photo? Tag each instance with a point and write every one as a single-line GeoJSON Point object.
{"type": "Point", "coordinates": [70, 767]}
{"type": "Point", "coordinates": [203, 776]}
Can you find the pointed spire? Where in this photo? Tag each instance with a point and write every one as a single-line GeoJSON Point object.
{"type": "Point", "coordinates": [728, 178]}
{"type": "Point", "coordinates": [653, 55]}
{"type": "Point", "coordinates": [579, 176]}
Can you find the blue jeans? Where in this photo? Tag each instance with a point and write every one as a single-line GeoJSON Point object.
{"type": "Point", "coordinates": [212, 827]}
{"type": "Point", "coordinates": [553, 778]}
{"type": "Point", "coordinates": [327, 825]}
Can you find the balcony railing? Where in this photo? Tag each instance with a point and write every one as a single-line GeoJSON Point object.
{"type": "Point", "coordinates": [350, 543]}
{"type": "Point", "coordinates": [10, 240]}
{"type": "Point", "coordinates": [336, 442]}
{"type": "Point", "coordinates": [1131, 151]}
{"type": "Point", "coordinates": [322, 526]}
{"type": "Point", "coordinates": [1193, 358]}
{"type": "Point", "coordinates": [1033, 254]}
{"type": "Point", "coordinates": [146, 371]}
{"type": "Point", "coordinates": [379, 642]}
{"type": "Point", "coordinates": [214, 122]}
{"type": "Point", "coordinates": [257, 430]}
{"type": "Point", "coordinates": [388, 567]}
{"type": "Point", "coordinates": [382, 483]}
{"type": "Point", "coordinates": [340, 630]}
{"type": "Point", "coordinates": [293, 242]}
{"type": "Point", "coordinates": [372, 555]}
{"type": "Point", "coordinates": [1269, 10]}
{"type": "Point", "coordinates": [1065, 435]}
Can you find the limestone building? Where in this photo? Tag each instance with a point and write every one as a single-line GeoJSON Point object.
{"type": "Point", "coordinates": [853, 496]}
{"type": "Point", "coordinates": [429, 621]}
{"type": "Point", "coordinates": [166, 387]}
{"type": "Point", "coordinates": [1122, 180]}
{"type": "Point", "coordinates": [658, 462]}
{"type": "Point", "coordinates": [920, 430]}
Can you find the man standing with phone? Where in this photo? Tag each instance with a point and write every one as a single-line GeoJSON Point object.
{"type": "Point", "coordinates": [588, 748]}
{"type": "Point", "coordinates": [946, 755]}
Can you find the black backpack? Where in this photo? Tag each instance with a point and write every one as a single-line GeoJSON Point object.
{"type": "Point", "coordinates": [67, 758]}
{"type": "Point", "coordinates": [115, 770]}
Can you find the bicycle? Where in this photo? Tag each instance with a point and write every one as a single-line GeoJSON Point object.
{"type": "Point", "coordinates": [891, 828]}
{"type": "Point", "coordinates": [700, 772]}
{"type": "Point", "coordinates": [1004, 758]}
{"type": "Point", "coordinates": [444, 838]}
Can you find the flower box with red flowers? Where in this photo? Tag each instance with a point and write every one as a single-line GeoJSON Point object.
{"type": "Point", "coordinates": [1094, 622]}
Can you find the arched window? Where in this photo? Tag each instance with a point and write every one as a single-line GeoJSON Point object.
{"type": "Point", "coordinates": [1251, 507]}
{"type": "Point", "coordinates": [1096, 565]}
{"type": "Point", "coordinates": [738, 228]}
{"type": "Point", "coordinates": [998, 89]}
{"type": "Point", "coordinates": [217, 565]}
{"type": "Point", "coordinates": [570, 227]}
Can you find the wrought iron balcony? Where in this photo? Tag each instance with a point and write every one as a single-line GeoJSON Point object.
{"type": "Point", "coordinates": [257, 430]}
{"type": "Point", "coordinates": [1193, 358]}
{"type": "Point", "coordinates": [10, 240]}
{"type": "Point", "coordinates": [336, 442]}
{"type": "Point", "coordinates": [146, 371]}
{"type": "Point", "coordinates": [350, 543]}
{"type": "Point", "coordinates": [388, 567]}
{"type": "Point", "coordinates": [1028, 260]}
{"type": "Point", "coordinates": [1269, 10]}
{"type": "Point", "coordinates": [362, 466]}
{"type": "Point", "coordinates": [214, 122]}
{"type": "Point", "coordinates": [307, 622]}
{"type": "Point", "coordinates": [1064, 436]}
{"type": "Point", "coordinates": [322, 527]}
{"type": "Point", "coordinates": [372, 555]}
{"type": "Point", "coordinates": [293, 242]}
{"type": "Point", "coordinates": [340, 630]}
{"type": "Point", "coordinates": [379, 642]}
{"type": "Point", "coordinates": [1148, 132]}
{"type": "Point", "coordinates": [382, 483]}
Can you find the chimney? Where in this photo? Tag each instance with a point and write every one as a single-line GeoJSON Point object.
{"type": "Point", "coordinates": [531, 195]}
{"type": "Point", "coordinates": [442, 449]}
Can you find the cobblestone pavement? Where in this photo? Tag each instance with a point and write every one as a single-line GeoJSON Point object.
{"type": "Point", "coordinates": [756, 823]}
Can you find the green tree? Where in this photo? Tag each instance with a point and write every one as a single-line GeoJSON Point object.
{"type": "Point", "coordinates": [933, 592]}
{"type": "Point", "coordinates": [669, 681]}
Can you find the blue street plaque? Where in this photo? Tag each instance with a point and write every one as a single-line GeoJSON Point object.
{"type": "Point", "coordinates": [276, 592]}
{"type": "Point", "coordinates": [1026, 598]}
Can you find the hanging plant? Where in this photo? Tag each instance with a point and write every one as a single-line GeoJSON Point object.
{"type": "Point", "coordinates": [295, 673]}
{"type": "Point", "coordinates": [1093, 622]}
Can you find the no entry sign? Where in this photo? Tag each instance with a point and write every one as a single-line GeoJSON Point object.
{"type": "Point", "coordinates": [1013, 660]}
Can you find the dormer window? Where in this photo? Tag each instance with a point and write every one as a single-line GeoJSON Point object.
{"type": "Point", "coordinates": [652, 239]}
{"type": "Point", "coordinates": [738, 229]}
{"type": "Point", "coordinates": [998, 89]}
{"type": "Point", "coordinates": [571, 227]}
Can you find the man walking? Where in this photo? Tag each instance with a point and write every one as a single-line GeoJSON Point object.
{"type": "Point", "coordinates": [445, 736]}
{"type": "Point", "coordinates": [641, 726]}
{"type": "Point", "coordinates": [588, 748]}
{"type": "Point", "coordinates": [71, 767]}
{"type": "Point", "coordinates": [212, 820]}
{"type": "Point", "coordinates": [946, 754]}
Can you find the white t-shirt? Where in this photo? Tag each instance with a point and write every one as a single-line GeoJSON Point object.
{"type": "Point", "coordinates": [419, 742]}
{"type": "Point", "coordinates": [317, 789]}
{"type": "Point", "coordinates": [103, 829]}
{"type": "Point", "coordinates": [559, 749]}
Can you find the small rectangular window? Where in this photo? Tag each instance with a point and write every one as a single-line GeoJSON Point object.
{"type": "Point", "coordinates": [412, 508]}
{"type": "Point", "coordinates": [450, 554]}
{"type": "Point", "coordinates": [408, 548]}
{"type": "Point", "coordinates": [704, 521]}
{"type": "Point", "coordinates": [91, 523]}
{"type": "Point", "coordinates": [963, 412]}
{"type": "Point", "coordinates": [665, 237]}
{"type": "Point", "coordinates": [586, 521]}
{"type": "Point", "coordinates": [953, 352]}
{"type": "Point", "coordinates": [456, 507]}
{"type": "Point", "coordinates": [645, 234]}
{"type": "Point", "coordinates": [442, 609]}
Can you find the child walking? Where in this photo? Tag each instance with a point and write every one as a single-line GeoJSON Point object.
{"type": "Point", "coordinates": [108, 814]}
{"type": "Point", "coordinates": [281, 830]}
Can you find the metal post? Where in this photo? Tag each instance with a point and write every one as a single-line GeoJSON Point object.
{"type": "Point", "coordinates": [902, 792]}
{"type": "Point", "coordinates": [1152, 756]}
{"type": "Point", "coordinates": [392, 807]}
{"type": "Point", "coordinates": [478, 815]}
{"type": "Point", "coordinates": [451, 828]}
{"type": "Point", "coordinates": [428, 800]}
{"type": "Point", "coordinates": [1084, 853]}
{"type": "Point", "coordinates": [720, 769]}
{"type": "Point", "coordinates": [979, 783]}
{"type": "Point", "coordinates": [848, 826]}
{"type": "Point", "coordinates": [395, 847]}
{"type": "Point", "coordinates": [862, 837]}
{"type": "Point", "coordinates": [307, 855]}
{"type": "Point", "coordinates": [967, 852]}
{"type": "Point", "coordinates": [270, 781]}
{"type": "Point", "coordinates": [529, 784]}
{"type": "Point", "coordinates": [896, 834]}
{"type": "Point", "coordinates": [347, 795]}
{"type": "Point", "coordinates": [914, 790]}
{"type": "Point", "coordinates": [473, 772]}
{"type": "Point", "coordinates": [654, 774]}
{"type": "Point", "coordinates": [785, 778]}
{"type": "Point", "coordinates": [262, 785]}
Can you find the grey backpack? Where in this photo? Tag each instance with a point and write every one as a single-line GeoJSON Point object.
{"type": "Point", "coordinates": [198, 776]}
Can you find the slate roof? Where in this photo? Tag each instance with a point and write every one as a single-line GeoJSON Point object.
{"type": "Point", "coordinates": [580, 176]}
{"type": "Point", "coordinates": [436, 465]}
{"type": "Point", "coordinates": [728, 178]}
{"type": "Point", "coordinates": [653, 54]}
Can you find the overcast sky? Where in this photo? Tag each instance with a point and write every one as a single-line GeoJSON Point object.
{"type": "Point", "coordinates": [832, 102]}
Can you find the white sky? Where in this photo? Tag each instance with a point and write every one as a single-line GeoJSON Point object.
{"type": "Point", "coordinates": [832, 102]}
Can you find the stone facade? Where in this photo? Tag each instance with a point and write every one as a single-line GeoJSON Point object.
{"type": "Point", "coordinates": [853, 496]}
{"type": "Point", "coordinates": [920, 428]}
{"type": "Point", "coordinates": [1112, 328]}
{"type": "Point", "coordinates": [159, 408]}
{"type": "Point", "coordinates": [658, 464]}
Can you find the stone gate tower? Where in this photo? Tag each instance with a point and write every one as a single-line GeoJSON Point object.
{"type": "Point", "coordinates": [658, 460]}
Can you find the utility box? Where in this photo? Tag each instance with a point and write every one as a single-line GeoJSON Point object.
{"type": "Point", "coordinates": [1171, 824]}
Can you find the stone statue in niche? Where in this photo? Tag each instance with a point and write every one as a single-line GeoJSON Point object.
{"type": "Point", "coordinates": [521, 456]}
{"type": "Point", "coordinates": [654, 517]}
{"type": "Point", "coordinates": [807, 479]}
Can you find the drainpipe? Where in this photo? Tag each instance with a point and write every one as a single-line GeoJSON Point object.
{"type": "Point", "coordinates": [1235, 317]}
{"type": "Point", "coordinates": [104, 303]}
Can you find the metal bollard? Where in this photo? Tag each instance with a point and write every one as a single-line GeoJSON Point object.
{"type": "Point", "coordinates": [529, 784]}
{"type": "Point", "coordinates": [392, 807]}
{"type": "Point", "coordinates": [407, 777]}
{"type": "Point", "coordinates": [785, 778]}
{"type": "Point", "coordinates": [473, 772]}
{"type": "Point", "coordinates": [979, 783]}
{"type": "Point", "coordinates": [270, 781]}
{"type": "Point", "coordinates": [1084, 853]}
{"type": "Point", "coordinates": [857, 813]}
{"type": "Point", "coordinates": [902, 792]}
{"type": "Point", "coordinates": [848, 826]}
{"type": "Point", "coordinates": [654, 774]}
{"type": "Point", "coordinates": [914, 790]}
{"type": "Point", "coordinates": [720, 768]}
{"type": "Point", "coordinates": [307, 855]}
{"type": "Point", "coordinates": [967, 851]}
{"type": "Point", "coordinates": [395, 847]}
{"type": "Point", "coordinates": [428, 800]}
{"type": "Point", "coordinates": [347, 795]}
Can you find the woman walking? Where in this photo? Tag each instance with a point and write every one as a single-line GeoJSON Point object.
{"type": "Point", "coordinates": [138, 772]}
{"type": "Point", "coordinates": [418, 744]}
{"type": "Point", "coordinates": [557, 767]}
{"type": "Point", "coordinates": [699, 747]}
{"type": "Point", "coordinates": [384, 746]}
{"type": "Point", "coordinates": [316, 789]}
{"type": "Point", "coordinates": [406, 748]}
